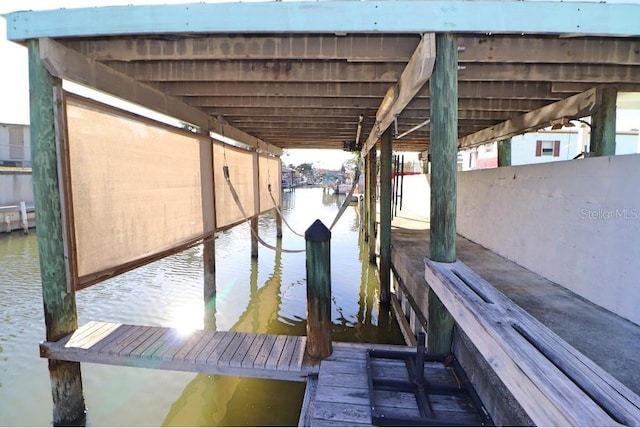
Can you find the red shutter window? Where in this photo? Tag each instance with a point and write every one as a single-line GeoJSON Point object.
{"type": "Point", "coordinates": [556, 148]}
{"type": "Point", "coordinates": [539, 148]}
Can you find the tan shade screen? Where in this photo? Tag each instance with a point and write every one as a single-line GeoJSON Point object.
{"type": "Point", "coordinates": [269, 172]}
{"type": "Point", "coordinates": [137, 187]}
{"type": "Point", "coordinates": [241, 177]}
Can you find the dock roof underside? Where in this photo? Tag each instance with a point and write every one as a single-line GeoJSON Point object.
{"type": "Point", "coordinates": [300, 75]}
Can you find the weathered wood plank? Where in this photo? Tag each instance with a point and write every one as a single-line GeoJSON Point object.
{"type": "Point", "coordinates": [192, 341]}
{"type": "Point", "coordinates": [284, 362]}
{"type": "Point", "coordinates": [97, 336]}
{"type": "Point", "coordinates": [274, 356]}
{"type": "Point", "coordinates": [79, 337]}
{"type": "Point", "coordinates": [173, 342]}
{"type": "Point", "coordinates": [209, 336]}
{"type": "Point", "coordinates": [226, 354]}
{"type": "Point", "coordinates": [252, 352]}
{"type": "Point", "coordinates": [117, 347]}
{"type": "Point", "coordinates": [623, 403]}
{"type": "Point", "coordinates": [204, 351]}
{"type": "Point", "coordinates": [298, 353]}
{"type": "Point", "coordinates": [346, 414]}
{"type": "Point", "coordinates": [264, 352]}
{"type": "Point", "coordinates": [116, 335]}
{"type": "Point", "coordinates": [212, 354]}
{"type": "Point", "coordinates": [241, 351]}
{"type": "Point", "coordinates": [158, 339]}
{"type": "Point", "coordinates": [547, 394]}
{"type": "Point", "coordinates": [146, 333]}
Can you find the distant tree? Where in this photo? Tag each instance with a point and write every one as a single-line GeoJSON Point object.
{"type": "Point", "coordinates": [305, 168]}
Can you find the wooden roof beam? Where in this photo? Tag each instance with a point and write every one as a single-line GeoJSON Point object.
{"type": "Point", "coordinates": [350, 47]}
{"type": "Point", "coordinates": [414, 76]}
{"type": "Point", "coordinates": [68, 64]}
{"type": "Point", "coordinates": [574, 107]}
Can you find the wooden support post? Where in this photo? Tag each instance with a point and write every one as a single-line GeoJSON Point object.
{"type": "Point", "coordinates": [603, 124]}
{"type": "Point", "coordinates": [209, 261]}
{"type": "Point", "coordinates": [364, 218]}
{"type": "Point", "coordinates": [279, 223]}
{"type": "Point", "coordinates": [385, 217]}
{"type": "Point", "coordinates": [60, 313]}
{"type": "Point", "coordinates": [372, 175]}
{"type": "Point", "coordinates": [318, 247]}
{"type": "Point", "coordinates": [504, 152]}
{"type": "Point", "coordinates": [279, 201]}
{"type": "Point", "coordinates": [444, 155]}
{"type": "Point", "coordinates": [254, 237]}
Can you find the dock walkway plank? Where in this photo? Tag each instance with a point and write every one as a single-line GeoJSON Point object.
{"type": "Point", "coordinates": [216, 352]}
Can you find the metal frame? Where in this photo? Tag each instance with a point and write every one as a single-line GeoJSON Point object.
{"type": "Point", "coordinates": [420, 387]}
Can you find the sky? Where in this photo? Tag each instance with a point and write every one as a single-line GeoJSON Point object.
{"type": "Point", "coordinates": [14, 88]}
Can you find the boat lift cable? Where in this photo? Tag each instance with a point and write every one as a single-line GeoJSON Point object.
{"type": "Point", "coordinates": [284, 220]}
{"type": "Point", "coordinates": [236, 198]}
{"type": "Point", "coordinates": [347, 200]}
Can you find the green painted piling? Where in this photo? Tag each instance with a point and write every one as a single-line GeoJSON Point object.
{"type": "Point", "coordinates": [318, 247]}
{"type": "Point", "coordinates": [444, 155]}
{"type": "Point", "coordinates": [385, 217]}
{"type": "Point", "coordinates": [504, 152]}
{"type": "Point", "coordinates": [603, 125]}
{"type": "Point", "coordinates": [59, 303]}
{"type": "Point", "coordinates": [372, 175]}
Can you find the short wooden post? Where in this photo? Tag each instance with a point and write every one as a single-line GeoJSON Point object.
{"type": "Point", "coordinates": [603, 125]}
{"type": "Point", "coordinates": [318, 247]}
{"type": "Point", "coordinates": [385, 217]}
{"type": "Point", "coordinates": [372, 175]}
{"type": "Point", "coordinates": [254, 237]}
{"type": "Point", "coordinates": [444, 155]}
{"type": "Point", "coordinates": [59, 302]}
{"type": "Point", "coordinates": [209, 262]}
{"type": "Point", "coordinates": [504, 152]}
{"type": "Point", "coordinates": [278, 223]}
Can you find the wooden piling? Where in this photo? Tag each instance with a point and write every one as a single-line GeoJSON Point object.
{"type": "Point", "coordinates": [372, 176]}
{"type": "Point", "coordinates": [254, 237]}
{"type": "Point", "coordinates": [444, 155]}
{"type": "Point", "coordinates": [59, 301]}
{"type": "Point", "coordinates": [385, 217]}
{"type": "Point", "coordinates": [603, 125]}
{"type": "Point", "coordinates": [318, 247]}
{"type": "Point", "coordinates": [504, 152]}
{"type": "Point", "coordinates": [209, 262]}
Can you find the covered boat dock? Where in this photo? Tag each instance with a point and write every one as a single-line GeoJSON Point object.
{"type": "Point", "coordinates": [217, 91]}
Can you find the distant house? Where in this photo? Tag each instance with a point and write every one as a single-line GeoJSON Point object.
{"type": "Point", "coordinates": [544, 146]}
{"type": "Point", "coordinates": [15, 145]}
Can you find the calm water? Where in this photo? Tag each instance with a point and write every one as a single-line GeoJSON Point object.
{"type": "Point", "coordinates": [267, 296]}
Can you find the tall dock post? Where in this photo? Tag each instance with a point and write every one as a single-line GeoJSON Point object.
{"type": "Point", "coordinates": [372, 183]}
{"type": "Point", "coordinates": [385, 217]}
{"type": "Point", "coordinates": [444, 155]}
{"type": "Point", "coordinates": [59, 301]}
{"type": "Point", "coordinates": [603, 125]}
{"type": "Point", "coordinates": [318, 250]}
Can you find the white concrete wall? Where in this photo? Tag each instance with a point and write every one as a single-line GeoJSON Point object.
{"type": "Point", "coordinates": [5, 153]}
{"type": "Point", "coordinates": [15, 188]}
{"type": "Point", "coordinates": [576, 223]}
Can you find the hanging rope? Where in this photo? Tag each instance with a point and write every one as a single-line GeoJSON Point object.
{"type": "Point", "coordinates": [284, 220]}
{"type": "Point", "coordinates": [236, 198]}
{"type": "Point", "coordinates": [347, 200]}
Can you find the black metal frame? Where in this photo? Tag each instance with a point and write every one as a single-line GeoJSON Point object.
{"type": "Point", "coordinates": [420, 388]}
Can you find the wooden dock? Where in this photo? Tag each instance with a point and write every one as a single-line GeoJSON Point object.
{"type": "Point", "coordinates": [203, 351]}
{"type": "Point", "coordinates": [339, 395]}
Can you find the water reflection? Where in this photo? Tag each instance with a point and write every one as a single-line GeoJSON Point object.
{"type": "Point", "coordinates": [232, 401]}
{"type": "Point", "coordinates": [267, 295]}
